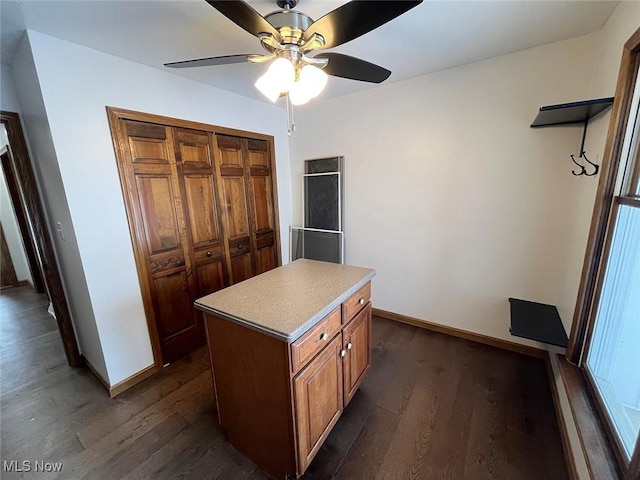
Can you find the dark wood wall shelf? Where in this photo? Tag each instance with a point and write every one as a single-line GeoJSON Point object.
{"type": "Point", "coordinates": [574, 113]}
{"type": "Point", "coordinates": [537, 321]}
{"type": "Point", "coordinates": [571, 113]}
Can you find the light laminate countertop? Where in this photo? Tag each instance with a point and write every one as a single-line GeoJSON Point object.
{"type": "Point", "coordinates": [287, 301]}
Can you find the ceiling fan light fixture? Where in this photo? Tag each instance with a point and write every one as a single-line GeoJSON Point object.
{"type": "Point", "coordinates": [288, 35]}
{"type": "Point", "coordinates": [268, 87]}
{"type": "Point", "coordinates": [299, 93]}
{"type": "Point", "coordinates": [282, 73]}
{"type": "Point", "coordinates": [313, 80]}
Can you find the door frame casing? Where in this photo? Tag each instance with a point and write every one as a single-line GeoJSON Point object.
{"type": "Point", "coordinates": [28, 242]}
{"type": "Point", "coordinates": [26, 179]}
{"type": "Point", "coordinates": [116, 117]}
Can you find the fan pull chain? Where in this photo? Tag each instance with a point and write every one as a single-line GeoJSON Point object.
{"type": "Point", "coordinates": [291, 127]}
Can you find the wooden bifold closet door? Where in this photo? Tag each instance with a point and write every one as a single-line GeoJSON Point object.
{"type": "Point", "coordinates": [246, 181]}
{"type": "Point", "coordinates": [202, 214]}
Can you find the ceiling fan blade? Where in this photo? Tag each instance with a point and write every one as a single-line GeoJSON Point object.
{"type": "Point", "coordinates": [210, 61]}
{"type": "Point", "coordinates": [356, 18]}
{"type": "Point", "coordinates": [243, 15]}
{"type": "Point", "coordinates": [353, 68]}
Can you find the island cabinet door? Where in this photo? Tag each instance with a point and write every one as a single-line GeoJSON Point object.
{"type": "Point", "coordinates": [318, 400]}
{"type": "Point", "coordinates": [357, 347]}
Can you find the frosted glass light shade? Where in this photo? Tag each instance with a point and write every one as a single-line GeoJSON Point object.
{"type": "Point", "coordinates": [283, 73]}
{"type": "Point", "coordinates": [299, 94]}
{"type": "Point", "coordinates": [313, 79]}
{"type": "Point", "coordinates": [281, 78]}
{"type": "Point", "coordinates": [268, 87]}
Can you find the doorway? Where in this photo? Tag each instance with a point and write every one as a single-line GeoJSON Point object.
{"type": "Point", "coordinates": [23, 189]}
{"type": "Point", "coordinates": [8, 275]}
{"type": "Point", "coordinates": [20, 257]}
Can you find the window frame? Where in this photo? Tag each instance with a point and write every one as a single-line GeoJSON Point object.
{"type": "Point", "coordinates": [600, 406]}
{"type": "Point", "coordinates": [604, 218]}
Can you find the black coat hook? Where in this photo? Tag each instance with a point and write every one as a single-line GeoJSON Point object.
{"type": "Point", "coordinates": [583, 170]}
{"type": "Point", "coordinates": [595, 166]}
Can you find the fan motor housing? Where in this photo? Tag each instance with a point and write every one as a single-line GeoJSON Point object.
{"type": "Point", "coordinates": [291, 24]}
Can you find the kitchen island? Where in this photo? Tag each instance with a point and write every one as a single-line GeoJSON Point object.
{"type": "Point", "coordinates": [289, 349]}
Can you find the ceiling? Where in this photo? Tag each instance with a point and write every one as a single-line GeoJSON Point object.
{"type": "Point", "coordinates": [433, 36]}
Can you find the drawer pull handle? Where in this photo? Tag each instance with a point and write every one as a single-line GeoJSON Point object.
{"type": "Point", "coordinates": [324, 336]}
{"type": "Point", "coordinates": [240, 246]}
{"type": "Point", "coordinates": [349, 346]}
{"type": "Point", "coordinates": [343, 353]}
{"type": "Point", "coordinates": [208, 254]}
{"type": "Point", "coordinates": [361, 301]}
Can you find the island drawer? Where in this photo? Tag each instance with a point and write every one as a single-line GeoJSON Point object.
{"type": "Point", "coordinates": [309, 344]}
{"type": "Point", "coordinates": [356, 302]}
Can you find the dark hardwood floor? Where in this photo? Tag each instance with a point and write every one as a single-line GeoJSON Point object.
{"type": "Point", "coordinates": [433, 407]}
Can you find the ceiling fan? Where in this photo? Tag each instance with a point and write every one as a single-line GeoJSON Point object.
{"type": "Point", "coordinates": [290, 36]}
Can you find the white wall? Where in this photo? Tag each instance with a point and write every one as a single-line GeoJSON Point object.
{"type": "Point", "coordinates": [8, 95]}
{"type": "Point", "coordinates": [75, 98]}
{"type": "Point", "coordinates": [45, 164]}
{"type": "Point", "coordinates": [450, 195]}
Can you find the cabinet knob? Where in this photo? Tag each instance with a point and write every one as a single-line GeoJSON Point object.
{"type": "Point", "coordinates": [239, 246]}
{"type": "Point", "coordinates": [361, 301]}
{"type": "Point", "coordinates": [208, 254]}
{"type": "Point", "coordinates": [324, 336]}
{"type": "Point", "coordinates": [343, 353]}
{"type": "Point", "coordinates": [349, 346]}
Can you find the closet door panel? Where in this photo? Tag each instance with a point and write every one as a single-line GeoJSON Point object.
{"type": "Point", "coordinates": [262, 205]}
{"type": "Point", "coordinates": [258, 153]}
{"type": "Point", "coordinates": [210, 277]}
{"type": "Point", "coordinates": [196, 172]}
{"type": "Point", "coordinates": [261, 186]}
{"type": "Point", "coordinates": [199, 193]}
{"type": "Point", "coordinates": [156, 196]}
{"type": "Point", "coordinates": [173, 303]}
{"type": "Point", "coordinates": [265, 260]}
{"type": "Point", "coordinates": [241, 267]}
{"type": "Point", "coordinates": [231, 152]}
{"type": "Point", "coordinates": [236, 203]}
{"type": "Point", "coordinates": [194, 149]}
{"type": "Point", "coordinates": [152, 177]}
{"type": "Point", "coordinates": [149, 150]}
